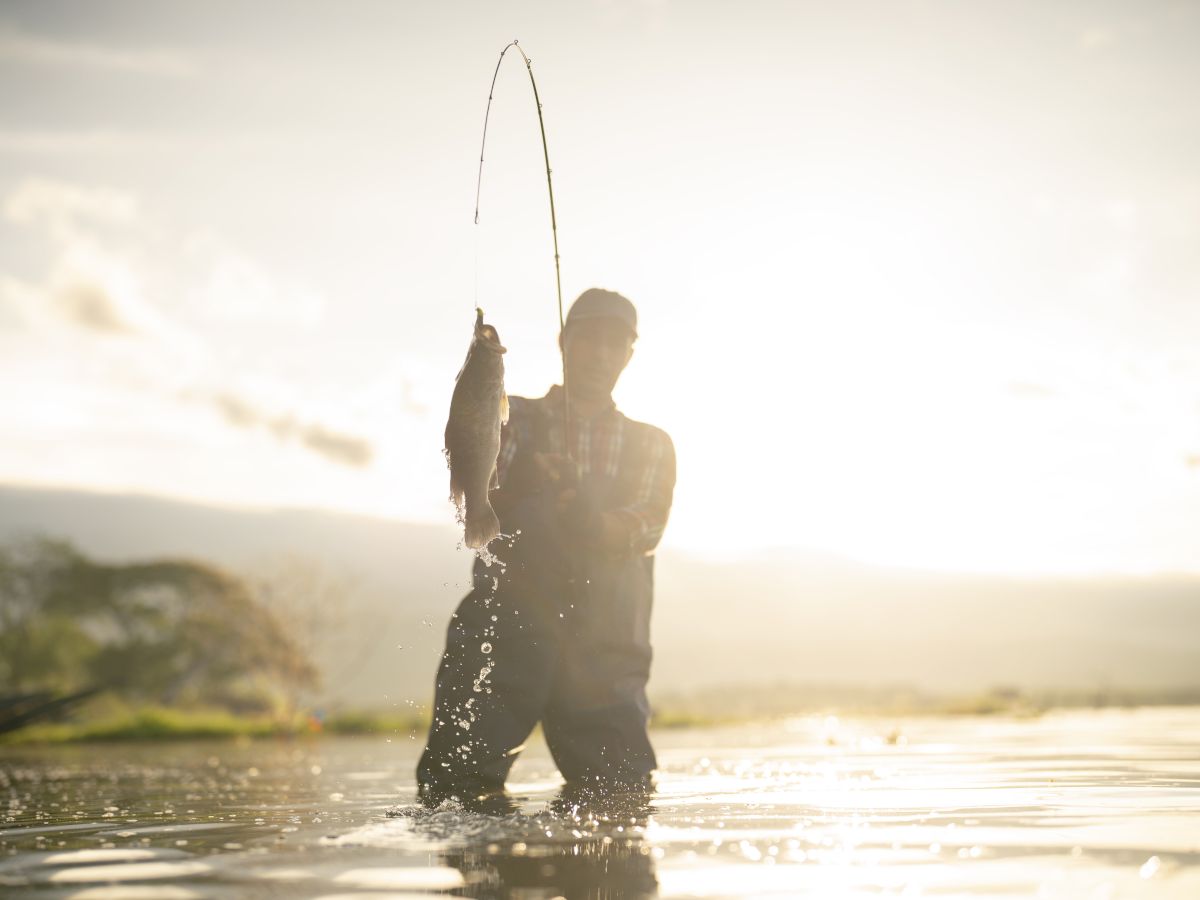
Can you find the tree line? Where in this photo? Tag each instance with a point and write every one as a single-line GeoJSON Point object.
{"type": "Point", "coordinates": [168, 632]}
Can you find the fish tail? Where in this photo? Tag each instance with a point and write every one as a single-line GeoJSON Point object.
{"type": "Point", "coordinates": [482, 525]}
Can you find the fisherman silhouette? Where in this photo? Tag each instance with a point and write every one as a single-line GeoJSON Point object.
{"type": "Point", "coordinates": [559, 633]}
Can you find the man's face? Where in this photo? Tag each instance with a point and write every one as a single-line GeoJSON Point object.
{"type": "Point", "coordinates": [597, 351]}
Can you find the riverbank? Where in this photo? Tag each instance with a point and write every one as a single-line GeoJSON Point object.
{"type": "Point", "coordinates": [724, 706]}
{"type": "Point", "coordinates": [161, 724]}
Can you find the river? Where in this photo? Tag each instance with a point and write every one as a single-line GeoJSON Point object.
{"type": "Point", "coordinates": [1097, 804]}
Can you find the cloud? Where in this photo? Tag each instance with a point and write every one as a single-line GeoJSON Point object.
{"type": "Point", "coordinates": [60, 205]}
{"type": "Point", "coordinates": [236, 411]}
{"type": "Point", "coordinates": [97, 276]}
{"type": "Point", "coordinates": [91, 306]}
{"type": "Point", "coordinates": [338, 447]}
{"type": "Point", "coordinates": [218, 282]}
{"type": "Point", "coordinates": [109, 270]}
{"type": "Point", "coordinates": [90, 284]}
{"type": "Point", "coordinates": [231, 287]}
{"type": "Point", "coordinates": [22, 47]}
{"type": "Point", "coordinates": [88, 293]}
{"type": "Point", "coordinates": [343, 448]}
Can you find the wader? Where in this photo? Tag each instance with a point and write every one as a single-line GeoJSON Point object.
{"type": "Point", "coordinates": [557, 633]}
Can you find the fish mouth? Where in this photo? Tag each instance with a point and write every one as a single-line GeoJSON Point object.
{"type": "Point", "coordinates": [490, 338]}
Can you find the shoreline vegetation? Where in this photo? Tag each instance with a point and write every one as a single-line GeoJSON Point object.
{"type": "Point", "coordinates": [161, 724]}
{"type": "Point", "coordinates": [179, 649]}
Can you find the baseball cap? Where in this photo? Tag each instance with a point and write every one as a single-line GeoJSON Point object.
{"type": "Point", "coordinates": [596, 303]}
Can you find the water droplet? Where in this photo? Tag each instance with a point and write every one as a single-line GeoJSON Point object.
{"type": "Point", "coordinates": [486, 647]}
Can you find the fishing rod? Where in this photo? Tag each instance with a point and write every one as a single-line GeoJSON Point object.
{"type": "Point", "coordinates": [553, 218]}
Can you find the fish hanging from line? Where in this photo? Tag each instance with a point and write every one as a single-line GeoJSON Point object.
{"type": "Point", "coordinates": [477, 410]}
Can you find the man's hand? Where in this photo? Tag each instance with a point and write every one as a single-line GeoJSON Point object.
{"type": "Point", "coordinates": [561, 471]}
{"type": "Point", "coordinates": [578, 508]}
{"type": "Point", "coordinates": [581, 518]}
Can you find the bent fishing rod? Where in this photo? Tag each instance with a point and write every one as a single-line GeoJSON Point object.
{"type": "Point", "coordinates": [553, 217]}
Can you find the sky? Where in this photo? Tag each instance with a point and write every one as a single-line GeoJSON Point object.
{"type": "Point", "coordinates": [918, 281]}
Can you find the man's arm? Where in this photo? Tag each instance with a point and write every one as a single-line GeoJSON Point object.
{"type": "Point", "coordinates": [579, 510]}
{"type": "Point", "coordinates": [639, 525]}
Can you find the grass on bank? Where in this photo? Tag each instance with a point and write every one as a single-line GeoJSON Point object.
{"type": "Point", "coordinates": [163, 724]}
{"type": "Point", "coordinates": [116, 722]}
{"type": "Point", "coordinates": [160, 724]}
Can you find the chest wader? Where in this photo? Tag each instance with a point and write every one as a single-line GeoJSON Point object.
{"type": "Point", "coordinates": [558, 634]}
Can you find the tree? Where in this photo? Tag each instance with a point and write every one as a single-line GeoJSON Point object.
{"type": "Point", "coordinates": [40, 646]}
{"type": "Point", "coordinates": [168, 631]}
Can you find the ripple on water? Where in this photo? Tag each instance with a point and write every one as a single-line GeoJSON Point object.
{"type": "Point", "coordinates": [96, 865]}
{"type": "Point", "coordinates": [136, 892]}
{"type": "Point", "coordinates": [103, 855]}
{"type": "Point", "coordinates": [125, 831]}
{"type": "Point", "coordinates": [402, 878]}
{"type": "Point", "coordinates": [134, 871]}
{"type": "Point", "coordinates": [24, 831]}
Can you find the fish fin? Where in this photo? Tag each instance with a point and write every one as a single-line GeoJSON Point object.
{"type": "Point", "coordinates": [503, 408]}
{"type": "Point", "coordinates": [481, 526]}
{"type": "Point", "coordinates": [457, 493]}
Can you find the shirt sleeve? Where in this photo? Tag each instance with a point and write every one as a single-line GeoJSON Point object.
{"type": "Point", "coordinates": [648, 512]}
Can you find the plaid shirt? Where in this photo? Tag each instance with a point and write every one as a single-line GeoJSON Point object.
{"type": "Point", "coordinates": [638, 457]}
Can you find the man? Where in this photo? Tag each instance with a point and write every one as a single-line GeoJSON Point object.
{"type": "Point", "coordinates": [559, 630]}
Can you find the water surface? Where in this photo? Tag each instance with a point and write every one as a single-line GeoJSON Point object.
{"type": "Point", "coordinates": [1090, 804]}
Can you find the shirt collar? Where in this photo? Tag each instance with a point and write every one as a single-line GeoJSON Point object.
{"type": "Point", "coordinates": [555, 396]}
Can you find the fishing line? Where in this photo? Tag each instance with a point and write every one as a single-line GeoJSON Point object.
{"type": "Point", "coordinates": [553, 219]}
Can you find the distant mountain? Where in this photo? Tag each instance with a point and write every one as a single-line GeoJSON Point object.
{"type": "Point", "coordinates": [778, 618]}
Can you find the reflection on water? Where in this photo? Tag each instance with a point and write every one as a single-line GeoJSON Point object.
{"type": "Point", "coordinates": [582, 868]}
{"type": "Point", "coordinates": [1093, 805]}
